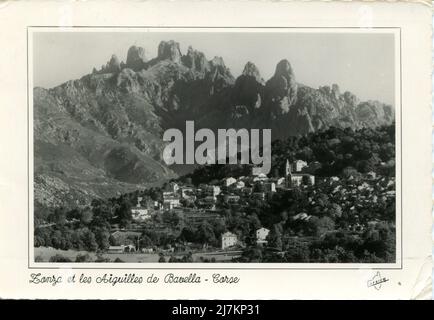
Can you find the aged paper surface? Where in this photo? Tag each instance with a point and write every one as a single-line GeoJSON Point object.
{"type": "Point", "coordinates": [94, 206]}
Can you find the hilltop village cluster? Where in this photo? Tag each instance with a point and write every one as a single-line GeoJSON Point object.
{"type": "Point", "coordinates": [206, 202]}
{"type": "Point", "coordinates": [203, 203]}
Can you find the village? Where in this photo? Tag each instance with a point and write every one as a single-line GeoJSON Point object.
{"type": "Point", "coordinates": [205, 203]}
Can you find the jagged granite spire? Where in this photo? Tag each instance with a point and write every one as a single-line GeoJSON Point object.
{"type": "Point", "coordinates": [251, 70]}
{"type": "Point", "coordinates": [282, 87]}
{"type": "Point", "coordinates": [169, 50]}
{"type": "Point", "coordinates": [136, 58]}
{"type": "Point", "coordinates": [113, 65]}
{"type": "Point", "coordinates": [195, 60]}
{"type": "Point", "coordinates": [248, 88]}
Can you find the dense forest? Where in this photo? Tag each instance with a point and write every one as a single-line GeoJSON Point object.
{"type": "Point", "coordinates": [335, 151]}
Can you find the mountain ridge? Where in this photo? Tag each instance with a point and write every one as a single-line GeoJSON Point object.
{"type": "Point", "coordinates": [111, 120]}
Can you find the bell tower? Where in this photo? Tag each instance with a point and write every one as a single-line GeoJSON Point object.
{"type": "Point", "coordinates": [287, 168]}
{"type": "Point", "coordinates": [288, 174]}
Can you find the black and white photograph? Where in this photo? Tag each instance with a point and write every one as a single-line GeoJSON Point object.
{"type": "Point", "coordinates": [214, 146]}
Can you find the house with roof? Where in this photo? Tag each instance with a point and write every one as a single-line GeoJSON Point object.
{"type": "Point", "coordinates": [138, 212]}
{"type": "Point", "coordinates": [240, 185]}
{"type": "Point", "coordinates": [125, 237]}
{"type": "Point", "coordinates": [116, 249]}
{"type": "Point", "coordinates": [229, 181]}
{"type": "Point", "coordinates": [229, 240]}
{"type": "Point", "coordinates": [298, 165]}
{"type": "Point", "coordinates": [260, 177]}
{"type": "Point", "coordinates": [280, 181]}
{"type": "Point", "coordinates": [231, 198]}
{"type": "Point", "coordinates": [171, 201]}
{"type": "Point", "coordinates": [301, 217]}
{"type": "Point", "coordinates": [261, 235]}
{"type": "Point", "coordinates": [122, 249]}
{"type": "Point", "coordinates": [296, 179]}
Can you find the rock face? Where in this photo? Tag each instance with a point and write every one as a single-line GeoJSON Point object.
{"type": "Point", "coordinates": [112, 66]}
{"type": "Point", "coordinates": [101, 135]}
{"type": "Point", "coordinates": [248, 90]}
{"type": "Point", "coordinates": [169, 50]}
{"type": "Point", "coordinates": [218, 76]}
{"type": "Point", "coordinates": [195, 60]}
{"type": "Point", "coordinates": [281, 89]}
{"type": "Point", "coordinates": [136, 58]}
{"type": "Point", "coordinates": [250, 70]}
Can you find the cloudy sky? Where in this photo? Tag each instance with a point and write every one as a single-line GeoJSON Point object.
{"type": "Point", "coordinates": [363, 63]}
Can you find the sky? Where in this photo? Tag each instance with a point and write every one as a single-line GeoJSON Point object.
{"type": "Point", "coordinates": [363, 63]}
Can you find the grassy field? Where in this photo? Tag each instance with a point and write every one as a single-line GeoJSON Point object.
{"type": "Point", "coordinates": [45, 253]}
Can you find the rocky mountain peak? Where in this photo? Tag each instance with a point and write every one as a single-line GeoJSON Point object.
{"type": "Point", "coordinates": [218, 61]}
{"type": "Point", "coordinates": [282, 87]}
{"type": "Point", "coordinates": [195, 60]}
{"type": "Point", "coordinates": [335, 88]}
{"type": "Point", "coordinates": [350, 98]}
{"type": "Point", "coordinates": [169, 50]}
{"type": "Point", "coordinates": [284, 69]}
{"type": "Point", "coordinates": [248, 89]}
{"type": "Point", "coordinates": [217, 66]}
{"type": "Point", "coordinates": [113, 65]}
{"type": "Point", "coordinates": [136, 58]}
{"type": "Point", "coordinates": [251, 70]}
{"type": "Point", "coordinates": [110, 122]}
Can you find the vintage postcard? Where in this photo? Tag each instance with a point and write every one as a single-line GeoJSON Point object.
{"type": "Point", "coordinates": [160, 154]}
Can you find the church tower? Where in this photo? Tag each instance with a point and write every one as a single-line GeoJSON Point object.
{"type": "Point", "coordinates": [288, 174]}
{"type": "Point", "coordinates": [287, 168]}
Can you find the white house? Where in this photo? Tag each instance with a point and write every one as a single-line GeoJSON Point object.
{"type": "Point", "coordinates": [228, 240]}
{"type": "Point", "coordinates": [116, 249]}
{"type": "Point", "coordinates": [280, 181]}
{"type": "Point", "coordinates": [298, 165]}
{"type": "Point", "coordinates": [170, 202]}
{"type": "Point", "coordinates": [229, 181]}
{"type": "Point", "coordinates": [260, 177]}
{"type": "Point", "coordinates": [298, 179]}
{"type": "Point", "coordinates": [301, 216]}
{"type": "Point", "coordinates": [121, 249]}
{"type": "Point", "coordinates": [139, 213]}
{"type": "Point", "coordinates": [240, 185]}
{"type": "Point", "coordinates": [261, 235]}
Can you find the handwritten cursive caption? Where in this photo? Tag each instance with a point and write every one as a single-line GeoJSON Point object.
{"type": "Point", "coordinates": [39, 278]}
